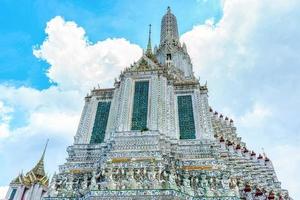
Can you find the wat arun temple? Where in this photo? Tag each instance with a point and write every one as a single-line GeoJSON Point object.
{"type": "Point", "coordinates": [154, 136]}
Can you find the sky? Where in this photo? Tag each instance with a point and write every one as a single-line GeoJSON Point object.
{"type": "Point", "coordinates": [54, 52]}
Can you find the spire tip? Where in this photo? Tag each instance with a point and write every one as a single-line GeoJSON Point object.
{"type": "Point", "coordinates": [43, 155]}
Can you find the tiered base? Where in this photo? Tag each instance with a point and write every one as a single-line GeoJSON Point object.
{"type": "Point", "coordinates": [158, 194]}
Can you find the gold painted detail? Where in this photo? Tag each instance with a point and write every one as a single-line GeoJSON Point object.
{"type": "Point", "coordinates": [79, 171]}
{"type": "Point", "coordinates": [36, 175]}
{"type": "Point", "coordinates": [191, 168]}
{"type": "Point", "coordinates": [120, 160]}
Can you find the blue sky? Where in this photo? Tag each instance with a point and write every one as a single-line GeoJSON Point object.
{"type": "Point", "coordinates": [53, 52]}
{"type": "Point", "coordinates": [100, 19]}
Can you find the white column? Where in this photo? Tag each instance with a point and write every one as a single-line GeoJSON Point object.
{"type": "Point", "coordinates": [205, 115]}
{"type": "Point", "coordinates": [126, 105]}
{"type": "Point", "coordinates": [176, 118]}
{"type": "Point", "coordinates": [91, 114]}
{"type": "Point", "coordinates": [153, 104]}
{"type": "Point", "coordinates": [197, 114]}
{"type": "Point", "coordinates": [113, 114]}
{"type": "Point", "coordinates": [81, 127]}
{"type": "Point", "coordinates": [162, 104]}
{"type": "Point", "coordinates": [171, 112]}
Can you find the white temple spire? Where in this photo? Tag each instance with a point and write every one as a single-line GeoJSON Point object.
{"type": "Point", "coordinates": [169, 29]}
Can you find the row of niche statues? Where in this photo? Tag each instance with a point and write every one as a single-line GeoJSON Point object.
{"type": "Point", "coordinates": [143, 178]}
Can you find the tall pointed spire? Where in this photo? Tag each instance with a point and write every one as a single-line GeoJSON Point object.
{"type": "Point", "coordinates": [169, 29]}
{"type": "Point", "coordinates": [36, 175]}
{"type": "Point", "coordinates": [39, 168]}
{"type": "Point", "coordinates": [149, 48]}
{"type": "Point", "coordinates": [43, 155]}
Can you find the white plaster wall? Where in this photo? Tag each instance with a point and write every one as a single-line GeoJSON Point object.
{"type": "Point", "coordinates": [126, 98]}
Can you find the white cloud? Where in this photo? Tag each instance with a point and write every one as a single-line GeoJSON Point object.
{"type": "Point", "coordinates": [4, 120]}
{"type": "Point", "coordinates": [256, 117]}
{"type": "Point", "coordinates": [225, 42]}
{"type": "Point", "coordinates": [250, 59]}
{"type": "Point", "coordinates": [287, 160]}
{"type": "Point", "coordinates": [78, 64]}
{"type": "Point", "coordinates": [50, 112]}
{"type": "Point", "coordinates": [31, 99]}
{"type": "Point", "coordinates": [3, 190]}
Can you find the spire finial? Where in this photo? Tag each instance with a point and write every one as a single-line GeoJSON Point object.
{"type": "Point", "coordinates": [149, 48]}
{"type": "Point", "coordinates": [168, 9]}
{"type": "Point", "coordinates": [264, 153]}
{"type": "Point", "coordinates": [39, 167]}
{"type": "Point", "coordinates": [43, 155]}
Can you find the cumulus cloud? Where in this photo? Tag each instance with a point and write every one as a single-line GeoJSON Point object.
{"type": "Point", "coordinates": [223, 42]}
{"type": "Point", "coordinates": [50, 111]}
{"type": "Point", "coordinates": [287, 160]}
{"type": "Point", "coordinates": [257, 117]}
{"type": "Point", "coordinates": [250, 59]}
{"type": "Point", "coordinates": [76, 63]}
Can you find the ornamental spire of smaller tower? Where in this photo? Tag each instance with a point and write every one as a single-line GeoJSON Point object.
{"type": "Point", "coordinates": [149, 48]}
{"type": "Point", "coordinates": [39, 168]}
{"type": "Point", "coordinates": [43, 155]}
{"type": "Point", "coordinates": [35, 175]}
